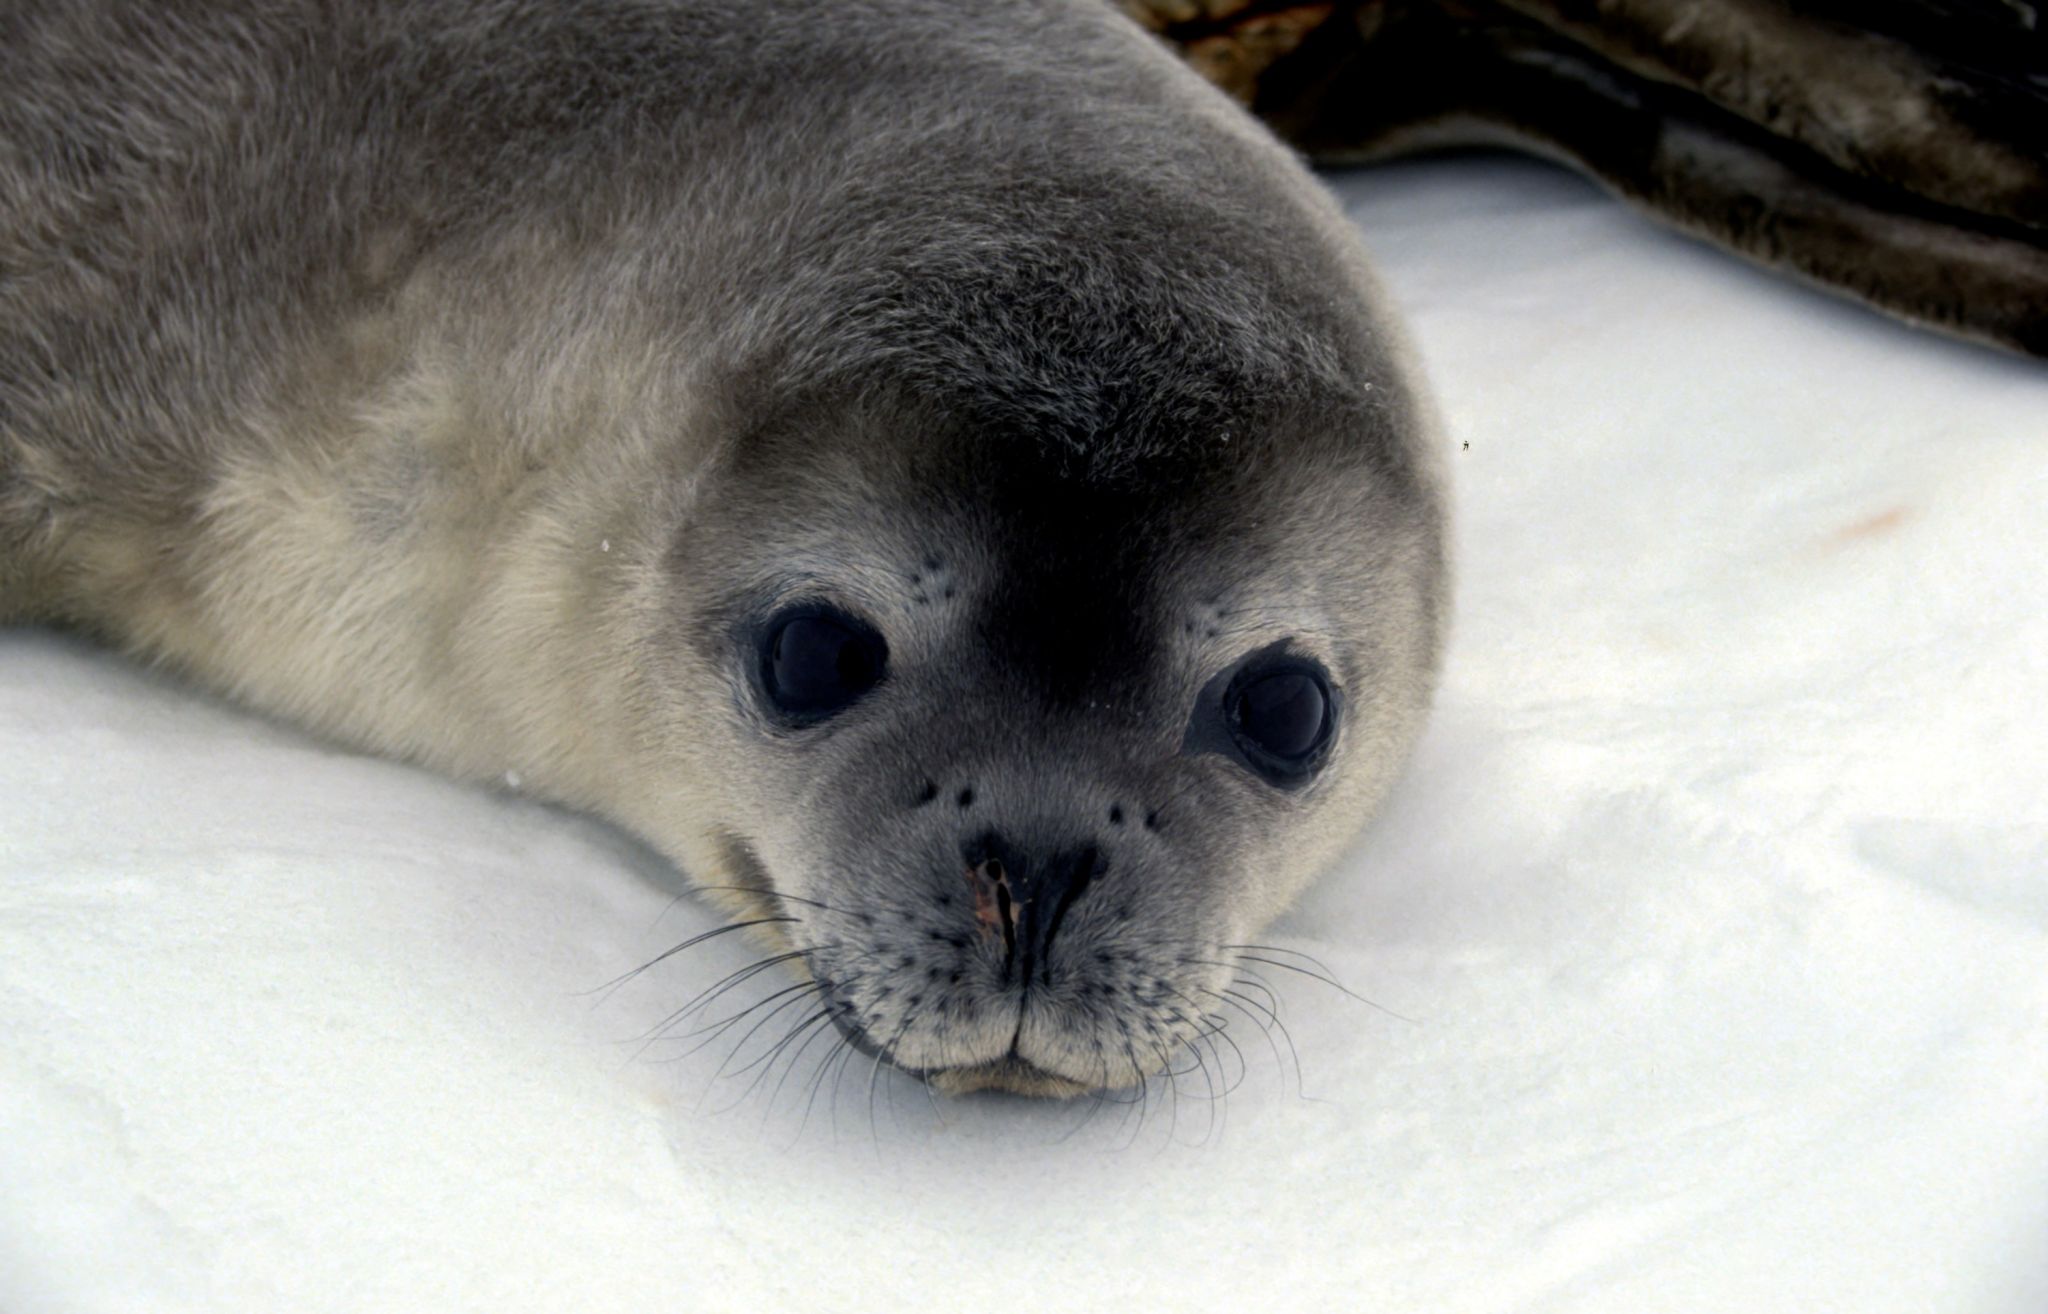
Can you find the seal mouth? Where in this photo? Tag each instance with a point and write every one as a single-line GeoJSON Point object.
{"type": "Point", "coordinates": [1012, 1073]}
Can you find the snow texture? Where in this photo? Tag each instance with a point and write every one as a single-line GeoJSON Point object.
{"type": "Point", "coordinates": [1707, 938]}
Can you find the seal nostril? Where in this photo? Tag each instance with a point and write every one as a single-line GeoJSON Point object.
{"type": "Point", "coordinates": [1026, 899]}
{"type": "Point", "coordinates": [995, 908]}
{"type": "Point", "coordinates": [1067, 881]}
{"type": "Point", "coordinates": [1008, 912]}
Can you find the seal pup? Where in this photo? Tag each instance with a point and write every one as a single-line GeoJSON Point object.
{"type": "Point", "coordinates": [939, 471]}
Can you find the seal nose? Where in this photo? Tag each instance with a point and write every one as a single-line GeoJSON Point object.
{"type": "Point", "coordinates": [1026, 899]}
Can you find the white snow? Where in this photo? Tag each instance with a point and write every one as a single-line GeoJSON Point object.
{"type": "Point", "coordinates": [1710, 925]}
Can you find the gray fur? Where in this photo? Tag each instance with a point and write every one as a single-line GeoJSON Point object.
{"type": "Point", "coordinates": [464, 379]}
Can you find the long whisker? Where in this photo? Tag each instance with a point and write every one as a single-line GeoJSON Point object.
{"type": "Point", "coordinates": [844, 1063]}
{"type": "Point", "coordinates": [818, 1083]}
{"type": "Point", "coordinates": [711, 1031]}
{"type": "Point", "coordinates": [798, 1029]}
{"type": "Point", "coordinates": [606, 990]}
{"type": "Point", "coordinates": [882, 1051]}
{"type": "Point", "coordinates": [780, 896]}
{"type": "Point", "coordinates": [1144, 1091]}
{"type": "Point", "coordinates": [1250, 979]}
{"type": "Point", "coordinates": [1231, 999]}
{"type": "Point", "coordinates": [705, 997]}
{"type": "Point", "coordinates": [1330, 981]}
{"type": "Point", "coordinates": [751, 1032]}
{"type": "Point", "coordinates": [1329, 973]}
{"type": "Point", "coordinates": [1173, 1085]}
{"type": "Point", "coordinates": [1272, 1024]}
{"type": "Point", "coordinates": [796, 1058]}
{"type": "Point", "coordinates": [1208, 1030]}
{"type": "Point", "coordinates": [1216, 1028]}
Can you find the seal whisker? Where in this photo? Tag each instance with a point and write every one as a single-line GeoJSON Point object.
{"type": "Point", "coordinates": [752, 1031]}
{"type": "Point", "coordinates": [931, 1098]}
{"type": "Point", "coordinates": [914, 1012]}
{"type": "Point", "coordinates": [1332, 982]}
{"type": "Point", "coordinates": [1200, 1042]}
{"type": "Point", "coordinates": [780, 895]}
{"type": "Point", "coordinates": [1313, 961]}
{"type": "Point", "coordinates": [1272, 1011]}
{"type": "Point", "coordinates": [796, 1059]}
{"type": "Point", "coordinates": [611, 987]}
{"type": "Point", "coordinates": [1173, 1077]}
{"type": "Point", "coordinates": [789, 995]}
{"type": "Point", "coordinates": [1144, 1090]}
{"type": "Point", "coordinates": [1251, 980]}
{"type": "Point", "coordinates": [711, 1031]}
{"type": "Point", "coordinates": [774, 1051]}
{"type": "Point", "coordinates": [1219, 1030]}
{"type": "Point", "coordinates": [1230, 999]}
{"type": "Point", "coordinates": [845, 1062]}
{"type": "Point", "coordinates": [1218, 1103]}
{"type": "Point", "coordinates": [705, 997]}
{"type": "Point", "coordinates": [1208, 1025]}
{"type": "Point", "coordinates": [874, 1073]}
{"type": "Point", "coordinates": [1205, 1032]}
{"type": "Point", "coordinates": [817, 1083]}
{"type": "Point", "coordinates": [764, 1062]}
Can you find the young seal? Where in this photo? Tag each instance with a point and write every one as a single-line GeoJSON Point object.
{"type": "Point", "coordinates": [936, 468]}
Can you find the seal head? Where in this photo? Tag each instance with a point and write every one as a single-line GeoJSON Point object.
{"type": "Point", "coordinates": [1026, 716]}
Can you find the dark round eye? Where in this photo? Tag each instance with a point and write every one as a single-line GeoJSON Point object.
{"type": "Point", "coordinates": [1281, 718]}
{"type": "Point", "coordinates": [815, 663]}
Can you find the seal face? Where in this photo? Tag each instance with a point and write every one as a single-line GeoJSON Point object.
{"type": "Point", "coordinates": [944, 478]}
{"type": "Point", "coordinates": [1026, 743]}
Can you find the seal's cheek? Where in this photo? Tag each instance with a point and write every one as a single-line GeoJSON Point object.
{"type": "Point", "coordinates": [741, 886]}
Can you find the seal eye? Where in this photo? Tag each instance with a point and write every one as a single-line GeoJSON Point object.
{"type": "Point", "coordinates": [815, 663]}
{"type": "Point", "coordinates": [1280, 717]}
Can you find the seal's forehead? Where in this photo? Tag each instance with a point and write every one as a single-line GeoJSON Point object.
{"type": "Point", "coordinates": [919, 501]}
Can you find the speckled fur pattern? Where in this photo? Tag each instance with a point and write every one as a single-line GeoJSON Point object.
{"type": "Point", "coordinates": [461, 379]}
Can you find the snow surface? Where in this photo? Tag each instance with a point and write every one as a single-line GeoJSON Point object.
{"type": "Point", "coordinates": [1708, 936]}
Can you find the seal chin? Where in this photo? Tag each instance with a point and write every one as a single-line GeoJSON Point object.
{"type": "Point", "coordinates": [1015, 1075]}
{"type": "Point", "coordinates": [1012, 1072]}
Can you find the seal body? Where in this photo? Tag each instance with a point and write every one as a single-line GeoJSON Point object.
{"type": "Point", "coordinates": [938, 470]}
